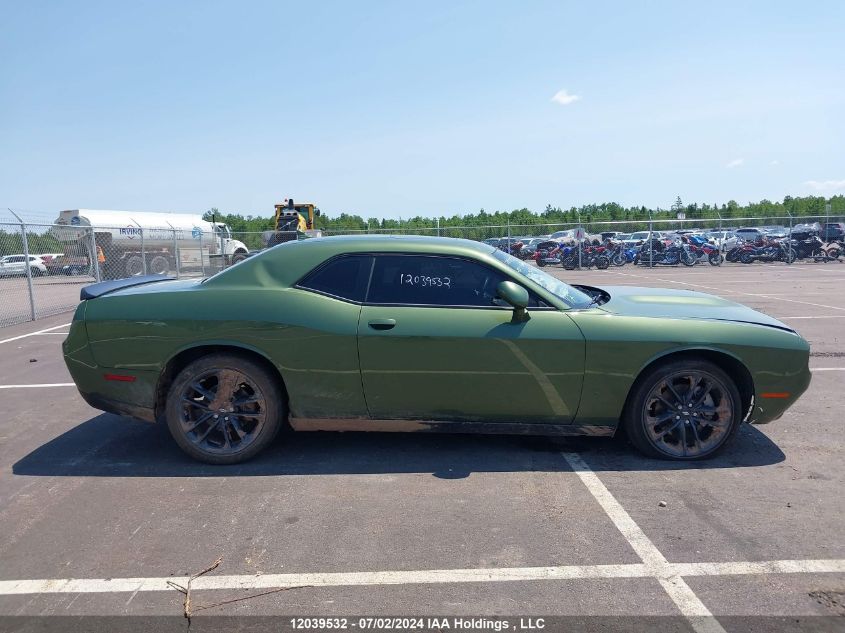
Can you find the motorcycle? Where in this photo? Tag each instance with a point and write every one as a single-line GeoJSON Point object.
{"type": "Point", "coordinates": [658, 253]}
{"type": "Point", "coordinates": [615, 251]}
{"type": "Point", "coordinates": [704, 251]}
{"type": "Point", "coordinates": [808, 245]}
{"type": "Point", "coordinates": [589, 256]}
{"type": "Point", "coordinates": [770, 251]}
{"type": "Point", "coordinates": [548, 253]}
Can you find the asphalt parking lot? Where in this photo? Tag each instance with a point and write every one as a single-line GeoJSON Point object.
{"type": "Point", "coordinates": [98, 512]}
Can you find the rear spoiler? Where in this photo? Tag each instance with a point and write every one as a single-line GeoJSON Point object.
{"type": "Point", "coordinates": [98, 290]}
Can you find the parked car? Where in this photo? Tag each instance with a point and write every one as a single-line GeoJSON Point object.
{"type": "Point", "coordinates": [530, 246]}
{"type": "Point", "coordinates": [641, 236]}
{"type": "Point", "coordinates": [422, 334]}
{"type": "Point", "coordinates": [776, 232]}
{"type": "Point", "coordinates": [833, 231]}
{"type": "Point", "coordinates": [750, 234]}
{"type": "Point", "coordinates": [14, 265]}
{"type": "Point", "coordinates": [568, 234]}
{"type": "Point", "coordinates": [725, 240]}
{"type": "Point", "coordinates": [610, 235]}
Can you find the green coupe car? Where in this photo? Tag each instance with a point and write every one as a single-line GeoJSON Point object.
{"type": "Point", "coordinates": [377, 333]}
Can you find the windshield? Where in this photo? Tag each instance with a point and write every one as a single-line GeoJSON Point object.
{"type": "Point", "coordinates": [572, 296]}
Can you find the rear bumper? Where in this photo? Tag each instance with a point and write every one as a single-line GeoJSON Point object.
{"type": "Point", "coordinates": [98, 401]}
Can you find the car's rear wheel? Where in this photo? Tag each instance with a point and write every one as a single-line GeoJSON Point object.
{"type": "Point", "coordinates": [684, 410]}
{"type": "Point", "coordinates": [224, 408]}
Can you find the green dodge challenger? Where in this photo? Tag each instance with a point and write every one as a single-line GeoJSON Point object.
{"type": "Point", "coordinates": [376, 333]}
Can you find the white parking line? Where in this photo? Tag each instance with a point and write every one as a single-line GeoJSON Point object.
{"type": "Point", "coordinates": [760, 567]}
{"type": "Point", "coordinates": [747, 294]}
{"type": "Point", "coordinates": [679, 591]}
{"type": "Point", "coordinates": [46, 384]}
{"type": "Point", "coordinates": [820, 316]}
{"type": "Point", "coordinates": [667, 571]}
{"type": "Point", "coordinates": [17, 338]}
{"type": "Point", "coordinates": [814, 369]}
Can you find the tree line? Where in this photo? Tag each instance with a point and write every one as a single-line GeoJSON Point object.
{"type": "Point", "coordinates": [608, 211]}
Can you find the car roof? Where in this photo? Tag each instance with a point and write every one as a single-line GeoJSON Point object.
{"type": "Point", "coordinates": [289, 262]}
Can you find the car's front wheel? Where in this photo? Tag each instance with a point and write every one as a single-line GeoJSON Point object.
{"type": "Point", "coordinates": [224, 408]}
{"type": "Point", "coordinates": [683, 410]}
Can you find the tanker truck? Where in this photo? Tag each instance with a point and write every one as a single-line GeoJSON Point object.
{"type": "Point", "coordinates": [139, 242]}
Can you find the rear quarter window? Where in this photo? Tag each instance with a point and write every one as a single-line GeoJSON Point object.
{"type": "Point", "coordinates": [344, 277]}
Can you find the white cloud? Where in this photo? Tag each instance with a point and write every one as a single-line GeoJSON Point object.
{"type": "Point", "coordinates": [564, 98]}
{"type": "Point", "coordinates": [736, 162]}
{"type": "Point", "coordinates": [775, 162]}
{"type": "Point", "coordinates": [825, 185]}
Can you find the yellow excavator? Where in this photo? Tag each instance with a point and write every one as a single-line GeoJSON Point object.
{"type": "Point", "coordinates": [294, 221]}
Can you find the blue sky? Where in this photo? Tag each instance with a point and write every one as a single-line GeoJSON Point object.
{"type": "Point", "coordinates": [396, 109]}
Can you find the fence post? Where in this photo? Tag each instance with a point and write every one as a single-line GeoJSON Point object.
{"type": "Point", "coordinates": [28, 267]}
{"type": "Point", "coordinates": [580, 242]}
{"type": "Point", "coordinates": [175, 249]}
{"type": "Point", "coordinates": [509, 236]}
{"type": "Point", "coordinates": [143, 249]}
{"type": "Point", "coordinates": [721, 237]}
{"type": "Point", "coordinates": [95, 256]}
{"type": "Point", "coordinates": [202, 259]}
{"type": "Point", "coordinates": [650, 244]}
{"type": "Point", "coordinates": [789, 239]}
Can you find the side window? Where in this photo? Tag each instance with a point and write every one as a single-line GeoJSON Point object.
{"type": "Point", "coordinates": [345, 277]}
{"type": "Point", "coordinates": [433, 280]}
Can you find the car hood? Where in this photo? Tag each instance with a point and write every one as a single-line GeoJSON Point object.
{"type": "Point", "coordinates": [681, 304]}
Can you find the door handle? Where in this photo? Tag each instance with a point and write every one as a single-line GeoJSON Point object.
{"type": "Point", "coordinates": [382, 324]}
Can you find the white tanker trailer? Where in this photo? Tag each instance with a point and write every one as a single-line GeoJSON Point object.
{"type": "Point", "coordinates": [135, 242]}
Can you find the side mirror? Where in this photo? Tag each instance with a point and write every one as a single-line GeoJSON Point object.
{"type": "Point", "coordinates": [516, 296]}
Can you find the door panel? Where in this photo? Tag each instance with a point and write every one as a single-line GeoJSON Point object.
{"type": "Point", "coordinates": [471, 364]}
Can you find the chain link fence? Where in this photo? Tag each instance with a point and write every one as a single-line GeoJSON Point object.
{"type": "Point", "coordinates": [43, 265]}
{"type": "Point", "coordinates": [597, 228]}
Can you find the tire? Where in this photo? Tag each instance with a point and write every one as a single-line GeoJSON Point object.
{"type": "Point", "coordinates": [658, 430]}
{"type": "Point", "coordinates": [619, 259]}
{"type": "Point", "coordinates": [602, 262]}
{"type": "Point", "coordinates": [746, 258]}
{"type": "Point", "coordinates": [789, 258]}
{"type": "Point", "coordinates": [541, 263]}
{"type": "Point", "coordinates": [238, 257]}
{"type": "Point", "coordinates": [687, 258]}
{"type": "Point", "coordinates": [833, 253]}
{"type": "Point", "coordinates": [260, 419]}
{"type": "Point", "coordinates": [35, 272]}
{"type": "Point", "coordinates": [715, 259]}
{"type": "Point", "coordinates": [159, 265]}
{"type": "Point", "coordinates": [134, 266]}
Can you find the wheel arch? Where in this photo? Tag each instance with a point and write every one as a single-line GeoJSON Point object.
{"type": "Point", "coordinates": [725, 361]}
{"type": "Point", "coordinates": [185, 356]}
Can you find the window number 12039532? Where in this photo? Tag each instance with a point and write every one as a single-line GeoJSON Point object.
{"type": "Point", "coordinates": [423, 281]}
